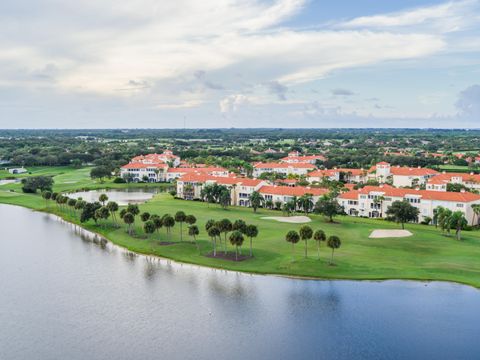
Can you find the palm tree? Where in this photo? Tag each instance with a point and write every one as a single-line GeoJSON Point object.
{"type": "Point", "coordinates": [213, 232]}
{"type": "Point", "coordinates": [436, 215]}
{"type": "Point", "coordinates": [251, 231]}
{"type": "Point", "coordinates": [144, 216]}
{"type": "Point", "coordinates": [333, 243]}
{"type": "Point", "coordinates": [133, 209]}
{"type": "Point", "coordinates": [306, 202]}
{"type": "Point", "coordinates": [319, 236]}
{"type": "Point", "coordinates": [112, 206]}
{"type": "Point", "coordinates": [306, 233]}
{"type": "Point", "coordinates": [149, 227]}
{"type": "Point", "coordinates": [180, 217]}
{"type": "Point", "coordinates": [157, 221]}
{"type": "Point", "coordinates": [458, 222]}
{"type": "Point", "coordinates": [269, 204]}
{"type": "Point", "coordinates": [476, 211]}
{"type": "Point", "coordinates": [190, 219]}
{"type": "Point", "coordinates": [256, 200]}
{"type": "Point", "coordinates": [225, 226]}
{"type": "Point", "coordinates": [169, 222]}
{"type": "Point", "coordinates": [71, 203]}
{"type": "Point", "coordinates": [239, 225]}
{"type": "Point", "coordinates": [293, 238]}
{"type": "Point", "coordinates": [444, 220]}
{"type": "Point", "coordinates": [193, 231]}
{"type": "Point", "coordinates": [210, 223]}
{"type": "Point", "coordinates": [47, 195]}
{"type": "Point", "coordinates": [103, 198]}
{"type": "Point", "coordinates": [129, 219]}
{"type": "Point", "coordinates": [236, 239]}
{"type": "Point", "coordinates": [294, 203]}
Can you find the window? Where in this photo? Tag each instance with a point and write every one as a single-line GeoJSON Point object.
{"type": "Point", "coordinates": [460, 205]}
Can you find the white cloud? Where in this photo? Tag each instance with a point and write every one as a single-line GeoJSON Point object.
{"type": "Point", "coordinates": [232, 103]}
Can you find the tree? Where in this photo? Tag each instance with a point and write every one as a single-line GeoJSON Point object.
{"type": "Point", "coordinates": [319, 236]}
{"type": "Point", "coordinates": [71, 204]}
{"type": "Point", "coordinates": [306, 233]}
{"type": "Point", "coordinates": [34, 183]}
{"type": "Point", "coordinates": [149, 227]}
{"type": "Point", "coordinates": [133, 209]}
{"type": "Point", "coordinates": [306, 203]}
{"type": "Point", "coordinates": [102, 213]}
{"type": "Point", "coordinates": [329, 207]}
{"type": "Point", "coordinates": [239, 225]}
{"type": "Point", "coordinates": [458, 222]}
{"type": "Point", "coordinates": [225, 226]}
{"type": "Point", "coordinates": [100, 172]}
{"type": "Point", "coordinates": [145, 216]}
{"type": "Point", "coordinates": [444, 220]}
{"type": "Point", "coordinates": [112, 206]}
{"type": "Point", "coordinates": [333, 243]}
{"type": "Point", "coordinates": [256, 200]}
{"type": "Point", "coordinates": [193, 231]}
{"type": "Point", "coordinates": [47, 195]}
{"type": "Point", "coordinates": [180, 217]}
{"type": "Point", "coordinates": [278, 205]}
{"type": "Point", "coordinates": [103, 198]}
{"type": "Point", "coordinates": [293, 238]}
{"type": "Point", "coordinates": [436, 214]}
{"type": "Point", "coordinates": [476, 212]}
{"type": "Point", "coordinates": [213, 232]}
{"type": "Point", "coordinates": [224, 198]}
{"type": "Point", "coordinates": [129, 219]}
{"type": "Point", "coordinates": [122, 213]}
{"type": "Point", "coordinates": [236, 239]}
{"type": "Point", "coordinates": [80, 205]}
{"type": "Point", "coordinates": [402, 212]}
{"type": "Point", "coordinates": [168, 222]}
{"type": "Point", "coordinates": [210, 223]}
{"type": "Point", "coordinates": [251, 231]}
{"type": "Point", "coordinates": [88, 211]}
{"type": "Point", "coordinates": [157, 221]}
{"type": "Point", "coordinates": [190, 219]}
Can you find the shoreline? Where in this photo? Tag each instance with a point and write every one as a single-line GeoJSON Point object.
{"type": "Point", "coordinates": [255, 273]}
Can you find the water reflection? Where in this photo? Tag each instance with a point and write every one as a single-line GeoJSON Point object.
{"type": "Point", "coordinates": [71, 285]}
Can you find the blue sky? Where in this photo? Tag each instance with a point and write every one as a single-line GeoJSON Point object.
{"type": "Point", "coordinates": [249, 63]}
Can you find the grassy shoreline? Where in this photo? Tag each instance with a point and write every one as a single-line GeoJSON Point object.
{"type": "Point", "coordinates": [426, 256]}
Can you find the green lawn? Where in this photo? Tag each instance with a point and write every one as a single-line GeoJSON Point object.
{"type": "Point", "coordinates": [427, 255]}
{"type": "Point", "coordinates": [455, 168]}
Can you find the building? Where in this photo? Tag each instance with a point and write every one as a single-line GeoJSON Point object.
{"type": "Point", "coordinates": [404, 176]}
{"type": "Point", "coordinates": [16, 171]}
{"type": "Point", "coordinates": [151, 167]}
{"type": "Point", "coordinates": [189, 187]}
{"type": "Point", "coordinates": [282, 168]}
{"type": "Point", "coordinates": [295, 157]}
{"type": "Point", "coordinates": [175, 173]}
{"type": "Point", "coordinates": [373, 201]}
{"type": "Point", "coordinates": [439, 182]}
{"type": "Point", "coordinates": [341, 174]}
{"type": "Point", "coordinates": [166, 157]}
{"type": "Point", "coordinates": [284, 194]}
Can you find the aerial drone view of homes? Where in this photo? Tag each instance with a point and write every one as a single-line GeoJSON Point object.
{"type": "Point", "coordinates": [363, 192]}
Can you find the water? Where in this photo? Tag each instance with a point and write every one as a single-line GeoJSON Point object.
{"type": "Point", "coordinates": [121, 196]}
{"type": "Point", "coordinates": [62, 296]}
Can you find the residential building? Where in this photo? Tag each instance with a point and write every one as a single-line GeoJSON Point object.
{"type": "Point", "coordinates": [282, 168]}
{"type": "Point", "coordinates": [341, 174]}
{"type": "Point", "coordinates": [398, 176]}
{"type": "Point", "coordinates": [285, 194]}
{"type": "Point", "coordinates": [150, 167]}
{"type": "Point", "coordinates": [175, 173]}
{"type": "Point", "coordinates": [439, 182]}
{"type": "Point", "coordinates": [373, 201]}
{"type": "Point", "coordinates": [295, 157]}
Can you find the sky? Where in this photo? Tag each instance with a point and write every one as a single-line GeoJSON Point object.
{"type": "Point", "coordinates": [239, 63]}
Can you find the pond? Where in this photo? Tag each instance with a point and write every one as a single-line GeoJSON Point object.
{"type": "Point", "coordinates": [121, 196]}
{"type": "Point", "coordinates": [64, 295]}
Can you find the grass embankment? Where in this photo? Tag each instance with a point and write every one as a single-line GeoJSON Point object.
{"type": "Point", "coordinates": [427, 255]}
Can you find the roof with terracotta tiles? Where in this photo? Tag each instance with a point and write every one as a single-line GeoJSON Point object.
{"type": "Point", "coordinates": [447, 177]}
{"type": "Point", "coordinates": [144, 166]}
{"type": "Point", "coordinates": [283, 166]}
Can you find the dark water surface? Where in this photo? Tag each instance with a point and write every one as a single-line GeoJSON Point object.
{"type": "Point", "coordinates": [63, 296]}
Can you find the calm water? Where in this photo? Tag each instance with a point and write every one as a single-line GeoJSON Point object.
{"type": "Point", "coordinates": [121, 196]}
{"type": "Point", "coordinates": [64, 297]}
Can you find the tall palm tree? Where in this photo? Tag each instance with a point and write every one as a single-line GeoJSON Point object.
{"type": "Point", "coordinates": [306, 233]}
{"type": "Point", "coordinates": [129, 219]}
{"type": "Point", "coordinates": [213, 232]}
{"type": "Point", "coordinates": [180, 217]}
{"type": "Point", "coordinates": [319, 236]}
{"type": "Point", "coordinates": [458, 222]}
{"type": "Point", "coordinates": [306, 202]}
{"type": "Point", "coordinates": [293, 238]}
{"type": "Point", "coordinates": [333, 243]}
{"type": "Point", "coordinates": [193, 231]}
{"type": "Point", "coordinates": [236, 239]}
{"type": "Point", "coordinates": [444, 220]}
{"type": "Point", "coordinates": [112, 206]}
{"type": "Point", "coordinates": [103, 199]}
{"type": "Point", "coordinates": [256, 200]}
{"type": "Point", "coordinates": [251, 231]}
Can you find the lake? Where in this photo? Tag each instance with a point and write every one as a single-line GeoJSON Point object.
{"type": "Point", "coordinates": [65, 296]}
{"type": "Point", "coordinates": [121, 196]}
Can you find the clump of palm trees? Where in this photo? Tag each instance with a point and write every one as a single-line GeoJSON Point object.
{"type": "Point", "coordinates": [447, 220]}
{"type": "Point", "coordinates": [306, 233]}
{"type": "Point", "coordinates": [238, 231]}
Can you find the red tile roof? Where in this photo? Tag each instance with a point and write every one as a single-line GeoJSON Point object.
{"type": "Point", "coordinates": [144, 166]}
{"type": "Point", "coordinates": [283, 166]}
{"type": "Point", "coordinates": [411, 171]}
{"type": "Point", "coordinates": [292, 191]}
{"type": "Point", "coordinates": [303, 158]}
{"type": "Point", "coordinates": [447, 177]}
{"type": "Point", "coordinates": [221, 180]}
{"type": "Point", "coordinates": [188, 170]}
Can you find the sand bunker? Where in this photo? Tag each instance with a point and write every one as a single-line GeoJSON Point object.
{"type": "Point", "coordinates": [377, 234]}
{"type": "Point", "coordinates": [290, 219]}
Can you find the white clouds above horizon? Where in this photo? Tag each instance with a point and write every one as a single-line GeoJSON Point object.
{"type": "Point", "coordinates": [188, 54]}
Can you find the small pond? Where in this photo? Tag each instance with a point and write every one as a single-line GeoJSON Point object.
{"type": "Point", "coordinates": [121, 196]}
